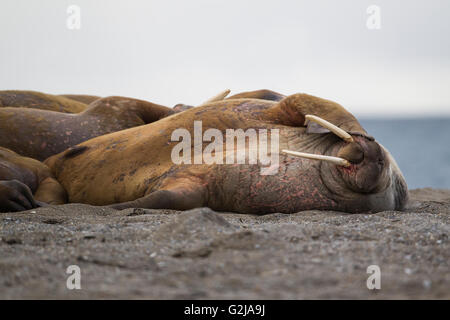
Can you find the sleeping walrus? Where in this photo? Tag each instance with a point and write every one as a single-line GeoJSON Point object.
{"type": "Point", "coordinates": [41, 133]}
{"type": "Point", "coordinates": [182, 162]}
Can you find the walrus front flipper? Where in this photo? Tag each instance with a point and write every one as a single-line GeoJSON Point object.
{"type": "Point", "coordinates": [21, 177]}
{"type": "Point", "coordinates": [292, 111]}
{"type": "Point", "coordinates": [175, 199]}
{"type": "Point", "coordinates": [15, 196]}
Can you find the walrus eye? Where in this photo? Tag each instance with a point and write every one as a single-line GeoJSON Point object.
{"type": "Point", "coordinates": [335, 129]}
{"type": "Point", "coordinates": [334, 160]}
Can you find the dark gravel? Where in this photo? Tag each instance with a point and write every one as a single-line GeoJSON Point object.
{"type": "Point", "coordinates": [201, 254]}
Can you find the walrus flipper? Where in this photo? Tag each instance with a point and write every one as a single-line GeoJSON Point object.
{"type": "Point", "coordinates": [175, 199]}
{"type": "Point", "coordinates": [15, 196]}
{"type": "Point", "coordinates": [21, 177]}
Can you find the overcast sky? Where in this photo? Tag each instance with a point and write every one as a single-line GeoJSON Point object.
{"type": "Point", "coordinates": [186, 51]}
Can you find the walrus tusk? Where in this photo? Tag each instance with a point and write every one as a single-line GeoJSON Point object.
{"type": "Point", "coordinates": [217, 97]}
{"type": "Point", "coordinates": [335, 160]}
{"type": "Point", "coordinates": [335, 129]}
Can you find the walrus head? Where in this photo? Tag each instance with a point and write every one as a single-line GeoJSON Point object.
{"type": "Point", "coordinates": [358, 170]}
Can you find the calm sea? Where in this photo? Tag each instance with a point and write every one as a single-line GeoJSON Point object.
{"type": "Point", "coordinates": [421, 148]}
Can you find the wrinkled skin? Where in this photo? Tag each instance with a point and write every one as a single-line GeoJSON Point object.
{"type": "Point", "coordinates": [133, 168]}
{"type": "Point", "coordinates": [21, 178]}
{"type": "Point", "coordinates": [41, 133]}
{"type": "Point", "coordinates": [41, 101]}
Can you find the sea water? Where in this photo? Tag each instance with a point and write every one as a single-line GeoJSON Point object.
{"type": "Point", "coordinates": [421, 148]}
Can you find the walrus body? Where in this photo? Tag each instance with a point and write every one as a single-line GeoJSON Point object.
{"type": "Point", "coordinates": [41, 133]}
{"type": "Point", "coordinates": [41, 101]}
{"type": "Point", "coordinates": [21, 178]}
{"type": "Point", "coordinates": [135, 167]}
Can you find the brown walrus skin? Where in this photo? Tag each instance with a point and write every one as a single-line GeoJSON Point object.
{"type": "Point", "coordinates": [83, 98]}
{"type": "Point", "coordinates": [39, 100]}
{"type": "Point", "coordinates": [134, 167]}
{"type": "Point", "coordinates": [21, 178]}
{"type": "Point", "coordinates": [263, 94]}
{"type": "Point", "coordinates": [40, 133]}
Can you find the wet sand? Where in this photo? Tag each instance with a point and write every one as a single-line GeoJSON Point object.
{"type": "Point", "coordinates": [201, 254]}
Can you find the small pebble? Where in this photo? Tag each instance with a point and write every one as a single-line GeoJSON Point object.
{"type": "Point", "coordinates": [427, 284]}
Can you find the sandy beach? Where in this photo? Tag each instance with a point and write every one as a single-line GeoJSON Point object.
{"type": "Point", "coordinates": [202, 254]}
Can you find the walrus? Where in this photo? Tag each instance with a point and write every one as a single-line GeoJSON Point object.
{"type": "Point", "coordinates": [348, 171]}
{"type": "Point", "coordinates": [21, 177]}
{"type": "Point", "coordinates": [263, 94]}
{"type": "Point", "coordinates": [41, 133]}
{"type": "Point", "coordinates": [26, 183]}
{"type": "Point", "coordinates": [39, 100]}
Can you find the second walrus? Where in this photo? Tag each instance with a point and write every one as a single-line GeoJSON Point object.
{"type": "Point", "coordinates": [41, 133]}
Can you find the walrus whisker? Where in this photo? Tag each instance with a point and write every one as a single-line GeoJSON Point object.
{"type": "Point", "coordinates": [335, 160]}
{"type": "Point", "coordinates": [335, 129]}
{"type": "Point", "coordinates": [217, 97]}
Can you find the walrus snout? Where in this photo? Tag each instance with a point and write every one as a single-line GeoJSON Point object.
{"type": "Point", "coordinates": [368, 165]}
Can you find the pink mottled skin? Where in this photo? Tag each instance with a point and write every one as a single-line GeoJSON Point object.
{"type": "Point", "coordinates": [303, 184]}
